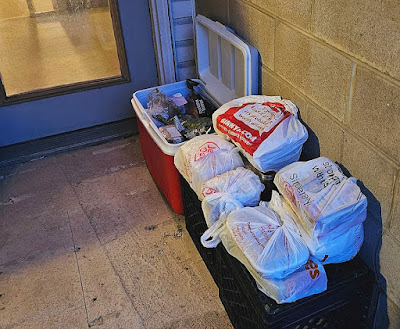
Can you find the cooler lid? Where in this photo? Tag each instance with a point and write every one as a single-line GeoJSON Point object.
{"type": "Point", "coordinates": [226, 64]}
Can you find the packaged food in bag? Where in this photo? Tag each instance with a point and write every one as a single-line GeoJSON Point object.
{"type": "Point", "coordinates": [171, 134]}
{"type": "Point", "coordinates": [309, 279]}
{"type": "Point", "coordinates": [160, 105]}
{"type": "Point", "coordinates": [270, 242]}
{"type": "Point", "coordinates": [197, 105]}
{"type": "Point", "coordinates": [325, 200]}
{"type": "Point", "coordinates": [205, 157]}
{"type": "Point", "coordinates": [231, 190]}
{"type": "Point", "coordinates": [178, 99]}
{"type": "Point", "coordinates": [265, 128]}
{"type": "Point", "coordinates": [330, 208]}
{"type": "Point", "coordinates": [334, 248]}
{"type": "Point", "coordinates": [198, 126]}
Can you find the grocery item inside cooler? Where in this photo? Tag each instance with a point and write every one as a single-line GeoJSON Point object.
{"type": "Point", "coordinates": [179, 114]}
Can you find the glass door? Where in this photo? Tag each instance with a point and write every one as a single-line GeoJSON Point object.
{"type": "Point", "coordinates": [50, 47]}
{"type": "Point", "coordinates": [71, 64]}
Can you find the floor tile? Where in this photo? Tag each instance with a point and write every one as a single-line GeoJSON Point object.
{"type": "Point", "coordinates": [45, 292]}
{"type": "Point", "coordinates": [118, 202]}
{"type": "Point", "coordinates": [32, 177]}
{"type": "Point", "coordinates": [101, 160]}
{"type": "Point", "coordinates": [165, 276]}
{"type": "Point", "coordinates": [105, 297]}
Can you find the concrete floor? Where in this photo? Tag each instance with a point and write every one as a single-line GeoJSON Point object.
{"type": "Point", "coordinates": [61, 49]}
{"type": "Point", "coordinates": [87, 240]}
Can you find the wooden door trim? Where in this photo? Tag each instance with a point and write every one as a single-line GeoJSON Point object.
{"type": "Point", "coordinates": [162, 38]}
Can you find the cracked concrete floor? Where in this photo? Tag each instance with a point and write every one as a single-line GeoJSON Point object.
{"type": "Point", "coordinates": [87, 240]}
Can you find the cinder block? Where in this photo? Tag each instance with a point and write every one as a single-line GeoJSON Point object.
{"type": "Point", "coordinates": [375, 111]}
{"type": "Point", "coordinates": [394, 315]}
{"type": "Point", "coordinates": [256, 28]}
{"type": "Point", "coordinates": [215, 10]}
{"type": "Point", "coordinates": [321, 73]}
{"type": "Point", "coordinates": [330, 135]}
{"type": "Point", "coordinates": [272, 85]}
{"type": "Point", "coordinates": [377, 174]}
{"type": "Point", "coordinates": [297, 12]}
{"type": "Point", "coordinates": [368, 29]}
{"type": "Point", "coordinates": [390, 264]}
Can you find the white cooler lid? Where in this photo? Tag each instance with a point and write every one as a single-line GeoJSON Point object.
{"type": "Point", "coordinates": [226, 64]}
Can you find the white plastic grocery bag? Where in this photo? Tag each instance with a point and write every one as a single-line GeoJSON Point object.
{"type": "Point", "coordinates": [309, 279]}
{"type": "Point", "coordinates": [265, 128]}
{"type": "Point", "coordinates": [330, 248]}
{"type": "Point", "coordinates": [325, 200]}
{"type": "Point", "coordinates": [330, 208]}
{"type": "Point", "coordinates": [205, 157]}
{"type": "Point", "coordinates": [271, 243]}
{"type": "Point", "coordinates": [334, 248]}
{"type": "Point", "coordinates": [228, 191]}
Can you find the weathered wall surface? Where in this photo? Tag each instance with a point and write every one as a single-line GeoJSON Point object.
{"type": "Point", "coordinates": [339, 62]}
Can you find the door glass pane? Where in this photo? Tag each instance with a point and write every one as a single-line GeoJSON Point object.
{"type": "Point", "coordinates": [48, 43]}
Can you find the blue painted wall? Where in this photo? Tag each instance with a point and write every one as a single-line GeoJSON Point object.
{"type": "Point", "coordinates": [50, 116]}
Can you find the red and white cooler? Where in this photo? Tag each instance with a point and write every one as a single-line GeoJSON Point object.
{"type": "Point", "coordinates": [228, 69]}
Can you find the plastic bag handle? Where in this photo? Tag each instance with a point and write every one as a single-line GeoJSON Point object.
{"type": "Point", "coordinates": [210, 238]}
{"type": "Point", "coordinates": [213, 243]}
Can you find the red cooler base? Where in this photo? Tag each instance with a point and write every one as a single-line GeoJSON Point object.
{"type": "Point", "coordinates": [162, 169]}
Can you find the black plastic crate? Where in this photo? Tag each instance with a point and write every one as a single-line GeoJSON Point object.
{"type": "Point", "coordinates": [247, 307]}
{"type": "Point", "coordinates": [343, 305]}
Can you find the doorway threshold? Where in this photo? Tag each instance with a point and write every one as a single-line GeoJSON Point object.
{"type": "Point", "coordinates": [43, 147]}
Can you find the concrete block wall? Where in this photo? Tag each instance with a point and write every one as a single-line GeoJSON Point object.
{"type": "Point", "coordinates": [339, 62]}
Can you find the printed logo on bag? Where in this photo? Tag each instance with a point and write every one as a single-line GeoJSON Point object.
{"type": "Point", "coordinates": [313, 269]}
{"type": "Point", "coordinates": [288, 192]}
{"type": "Point", "coordinates": [208, 191]}
{"type": "Point", "coordinates": [327, 175]}
{"type": "Point", "coordinates": [296, 191]}
{"type": "Point", "coordinates": [251, 123]}
{"type": "Point", "coordinates": [205, 149]}
{"type": "Point", "coordinates": [257, 236]}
